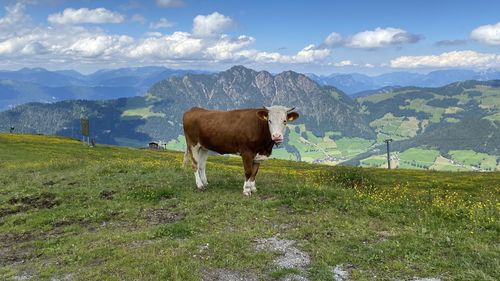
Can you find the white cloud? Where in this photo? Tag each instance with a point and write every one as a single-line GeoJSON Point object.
{"type": "Point", "coordinates": [101, 45]}
{"type": "Point", "coordinates": [85, 15]}
{"type": "Point", "coordinates": [14, 14]}
{"type": "Point", "coordinates": [13, 45]}
{"type": "Point", "coordinates": [344, 63]}
{"type": "Point", "coordinates": [138, 18]}
{"type": "Point", "coordinates": [369, 65]}
{"type": "Point", "coordinates": [179, 45]}
{"type": "Point", "coordinates": [162, 23]}
{"type": "Point", "coordinates": [66, 44]}
{"type": "Point", "coordinates": [333, 39]}
{"type": "Point", "coordinates": [153, 34]}
{"type": "Point", "coordinates": [381, 37]}
{"type": "Point", "coordinates": [487, 34]}
{"type": "Point", "coordinates": [14, 19]}
{"type": "Point", "coordinates": [210, 25]}
{"type": "Point", "coordinates": [170, 3]}
{"type": "Point", "coordinates": [226, 48]}
{"type": "Point", "coordinates": [310, 54]}
{"type": "Point", "coordinates": [450, 59]}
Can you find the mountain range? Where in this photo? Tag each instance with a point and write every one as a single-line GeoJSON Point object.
{"type": "Point", "coordinates": [456, 119]}
{"type": "Point", "coordinates": [158, 114]}
{"type": "Point", "coordinates": [41, 85]}
{"type": "Point", "coordinates": [355, 83]}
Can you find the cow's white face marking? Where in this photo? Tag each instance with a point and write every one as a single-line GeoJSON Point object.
{"type": "Point", "coordinates": [277, 117]}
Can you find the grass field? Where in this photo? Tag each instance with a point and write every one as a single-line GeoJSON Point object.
{"type": "Point", "coordinates": [70, 212]}
{"type": "Point", "coordinates": [472, 158]}
{"type": "Point", "coordinates": [415, 158]}
{"type": "Point", "coordinates": [397, 128]}
{"type": "Point", "coordinates": [374, 161]}
{"type": "Point", "coordinates": [443, 164]}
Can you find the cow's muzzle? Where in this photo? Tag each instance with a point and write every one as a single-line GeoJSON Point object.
{"type": "Point", "coordinates": [278, 141]}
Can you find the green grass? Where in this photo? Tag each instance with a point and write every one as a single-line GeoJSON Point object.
{"type": "Point", "coordinates": [143, 112]}
{"type": "Point", "coordinates": [352, 146]}
{"type": "Point", "coordinates": [374, 161]}
{"type": "Point", "coordinates": [178, 144]}
{"type": "Point", "coordinates": [115, 213]}
{"type": "Point", "coordinates": [418, 158]}
{"type": "Point", "coordinates": [472, 158]}
{"type": "Point", "coordinates": [313, 147]}
{"type": "Point", "coordinates": [444, 164]}
{"type": "Point", "coordinates": [493, 117]}
{"type": "Point", "coordinates": [397, 128]}
{"type": "Point", "coordinates": [420, 105]}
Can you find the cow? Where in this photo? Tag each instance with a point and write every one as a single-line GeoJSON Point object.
{"type": "Point", "coordinates": [251, 133]}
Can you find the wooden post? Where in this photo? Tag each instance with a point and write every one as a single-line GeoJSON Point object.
{"type": "Point", "coordinates": [387, 141]}
{"type": "Point", "coordinates": [85, 130]}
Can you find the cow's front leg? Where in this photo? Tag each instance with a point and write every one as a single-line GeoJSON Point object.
{"type": "Point", "coordinates": [248, 158]}
{"type": "Point", "coordinates": [251, 181]}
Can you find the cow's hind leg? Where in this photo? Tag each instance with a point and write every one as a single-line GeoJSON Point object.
{"type": "Point", "coordinates": [202, 164]}
{"type": "Point", "coordinates": [248, 166]}
{"type": "Point", "coordinates": [195, 152]}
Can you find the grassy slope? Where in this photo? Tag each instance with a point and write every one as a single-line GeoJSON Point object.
{"type": "Point", "coordinates": [469, 157]}
{"type": "Point", "coordinates": [111, 213]}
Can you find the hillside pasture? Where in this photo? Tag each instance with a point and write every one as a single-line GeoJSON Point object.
{"type": "Point", "coordinates": [71, 212]}
{"type": "Point", "coordinates": [418, 158]}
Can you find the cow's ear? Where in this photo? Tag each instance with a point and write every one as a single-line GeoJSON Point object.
{"type": "Point", "coordinates": [262, 114]}
{"type": "Point", "coordinates": [292, 116]}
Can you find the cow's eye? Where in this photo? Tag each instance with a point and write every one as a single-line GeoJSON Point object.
{"type": "Point", "coordinates": [284, 121]}
{"type": "Point", "coordinates": [270, 121]}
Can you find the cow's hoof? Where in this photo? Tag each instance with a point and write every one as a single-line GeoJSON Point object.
{"type": "Point", "coordinates": [247, 193]}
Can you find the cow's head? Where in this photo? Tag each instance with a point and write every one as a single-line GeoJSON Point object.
{"type": "Point", "coordinates": [277, 117]}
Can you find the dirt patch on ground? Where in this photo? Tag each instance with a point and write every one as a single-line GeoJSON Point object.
{"type": "Point", "coordinates": [15, 255]}
{"type": "Point", "coordinates": [107, 194]}
{"type": "Point", "coordinates": [286, 209]}
{"type": "Point", "coordinates": [49, 183]}
{"type": "Point", "coordinates": [9, 211]}
{"type": "Point", "coordinates": [221, 274]}
{"type": "Point", "coordinates": [15, 249]}
{"type": "Point", "coordinates": [68, 221]}
{"type": "Point", "coordinates": [44, 200]}
{"type": "Point", "coordinates": [161, 216]}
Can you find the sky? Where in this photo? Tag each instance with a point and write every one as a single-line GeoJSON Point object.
{"type": "Point", "coordinates": [321, 37]}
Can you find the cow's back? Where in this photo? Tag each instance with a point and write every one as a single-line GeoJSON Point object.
{"type": "Point", "coordinates": [225, 131]}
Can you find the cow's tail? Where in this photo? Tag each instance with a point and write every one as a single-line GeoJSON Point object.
{"type": "Point", "coordinates": [186, 158]}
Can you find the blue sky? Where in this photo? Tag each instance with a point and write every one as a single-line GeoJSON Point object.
{"type": "Point", "coordinates": [321, 37]}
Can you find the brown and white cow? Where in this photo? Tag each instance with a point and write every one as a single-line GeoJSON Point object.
{"type": "Point", "coordinates": [251, 133]}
